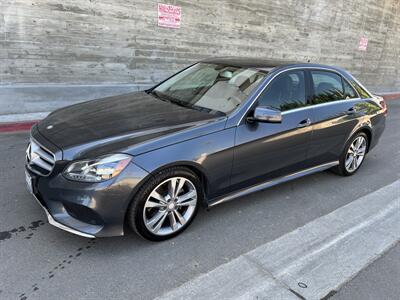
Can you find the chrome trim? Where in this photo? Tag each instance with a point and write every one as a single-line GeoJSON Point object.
{"type": "Point", "coordinates": [318, 105]}
{"type": "Point", "coordinates": [301, 68]}
{"type": "Point", "coordinates": [45, 155]}
{"type": "Point", "coordinates": [44, 158]}
{"type": "Point", "coordinates": [270, 183]}
{"type": "Point", "coordinates": [45, 148]}
{"type": "Point", "coordinates": [58, 224]}
{"type": "Point", "coordinates": [35, 171]}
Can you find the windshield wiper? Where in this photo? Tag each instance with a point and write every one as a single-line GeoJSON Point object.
{"type": "Point", "coordinates": [180, 103]}
{"type": "Point", "coordinates": [198, 108]}
{"type": "Point", "coordinates": [157, 95]}
{"type": "Point", "coordinates": [166, 98]}
{"type": "Point", "coordinates": [185, 104]}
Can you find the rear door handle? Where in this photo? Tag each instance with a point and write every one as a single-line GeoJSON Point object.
{"type": "Point", "coordinates": [304, 123]}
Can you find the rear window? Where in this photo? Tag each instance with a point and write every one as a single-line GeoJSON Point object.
{"type": "Point", "coordinates": [327, 87]}
{"type": "Point", "coordinates": [330, 86]}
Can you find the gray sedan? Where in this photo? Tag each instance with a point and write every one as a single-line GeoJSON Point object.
{"type": "Point", "coordinates": [218, 130]}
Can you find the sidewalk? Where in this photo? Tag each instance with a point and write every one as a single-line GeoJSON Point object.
{"type": "Point", "coordinates": [311, 262]}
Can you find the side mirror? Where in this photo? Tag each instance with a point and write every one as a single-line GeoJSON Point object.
{"type": "Point", "coordinates": [266, 115]}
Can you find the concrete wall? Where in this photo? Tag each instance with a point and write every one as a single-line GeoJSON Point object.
{"type": "Point", "coordinates": [118, 42]}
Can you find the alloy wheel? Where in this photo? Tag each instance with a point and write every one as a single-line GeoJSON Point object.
{"type": "Point", "coordinates": [170, 206]}
{"type": "Point", "coordinates": [355, 154]}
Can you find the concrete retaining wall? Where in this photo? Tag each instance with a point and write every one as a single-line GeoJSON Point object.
{"type": "Point", "coordinates": [118, 42]}
{"type": "Point", "coordinates": [17, 99]}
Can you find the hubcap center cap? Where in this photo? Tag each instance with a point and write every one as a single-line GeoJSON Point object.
{"type": "Point", "coordinates": [171, 206]}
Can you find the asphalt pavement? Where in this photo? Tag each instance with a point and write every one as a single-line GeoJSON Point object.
{"type": "Point", "coordinates": [38, 261]}
{"type": "Point", "coordinates": [380, 280]}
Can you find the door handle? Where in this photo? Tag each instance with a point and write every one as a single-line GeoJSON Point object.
{"type": "Point", "coordinates": [304, 123]}
{"type": "Point", "coordinates": [351, 111]}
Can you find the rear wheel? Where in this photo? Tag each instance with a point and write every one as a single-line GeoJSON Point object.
{"type": "Point", "coordinates": [166, 204]}
{"type": "Point", "coordinates": [353, 155]}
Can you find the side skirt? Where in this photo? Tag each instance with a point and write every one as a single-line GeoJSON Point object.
{"type": "Point", "coordinates": [267, 184]}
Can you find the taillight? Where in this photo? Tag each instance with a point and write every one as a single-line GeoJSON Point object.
{"type": "Point", "coordinates": [384, 106]}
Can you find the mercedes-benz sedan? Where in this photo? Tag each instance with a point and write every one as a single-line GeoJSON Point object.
{"type": "Point", "coordinates": [217, 130]}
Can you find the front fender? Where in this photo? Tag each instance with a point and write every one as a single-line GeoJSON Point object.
{"type": "Point", "coordinates": [211, 154]}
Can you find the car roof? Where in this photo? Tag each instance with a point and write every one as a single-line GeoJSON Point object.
{"type": "Point", "coordinates": [248, 62]}
{"type": "Point", "coordinates": [264, 63]}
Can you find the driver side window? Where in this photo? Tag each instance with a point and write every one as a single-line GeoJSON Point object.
{"type": "Point", "coordinates": [287, 91]}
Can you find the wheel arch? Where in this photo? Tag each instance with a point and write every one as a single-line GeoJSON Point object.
{"type": "Point", "coordinates": [192, 166]}
{"type": "Point", "coordinates": [365, 129]}
{"type": "Point", "coordinates": [368, 132]}
{"type": "Point", "coordinates": [196, 169]}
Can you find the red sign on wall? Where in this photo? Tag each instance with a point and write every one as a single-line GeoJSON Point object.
{"type": "Point", "coordinates": [169, 15]}
{"type": "Point", "coordinates": [362, 46]}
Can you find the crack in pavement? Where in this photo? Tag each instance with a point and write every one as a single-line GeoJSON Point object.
{"type": "Point", "coordinates": [270, 275]}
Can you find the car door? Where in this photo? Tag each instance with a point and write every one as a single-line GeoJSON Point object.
{"type": "Point", "coordinates": [334, 104]}
{"type": "Point", "coordinates": [267, 150]}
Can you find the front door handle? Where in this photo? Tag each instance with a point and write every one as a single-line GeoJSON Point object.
{"type": "Point", "coordinates": [304, 123]}
{"type": "Point", "coordinates": [351, 111]}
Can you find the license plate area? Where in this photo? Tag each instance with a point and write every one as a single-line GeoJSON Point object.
{"type": "Point", "coordinates": [29, 182]}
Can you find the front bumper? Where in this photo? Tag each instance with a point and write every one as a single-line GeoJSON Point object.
{"type": "Point", "coordinates": [60, 225]}
{"type": "Point", "coordinates": [86, 209]}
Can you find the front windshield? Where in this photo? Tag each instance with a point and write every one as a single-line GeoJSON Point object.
{"type": "Point", "coordinates": [214, 88]}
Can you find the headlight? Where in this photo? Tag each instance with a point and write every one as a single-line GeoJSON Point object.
{"type": "Point", "coordinates": [96, 170]}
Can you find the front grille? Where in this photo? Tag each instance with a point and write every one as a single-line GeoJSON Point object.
{"type": "Point", "coordinates": [39, 160]}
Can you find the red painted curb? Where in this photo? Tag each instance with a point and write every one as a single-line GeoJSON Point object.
{"type": "Point", "coordinates": [18, 126]}
{"type": "Point", "coordinates": [391, 96]}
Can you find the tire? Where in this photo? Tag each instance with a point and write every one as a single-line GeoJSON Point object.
{"type": "Point", "coordinates": [158, 212]}
{"type": "Point", "coordinates": [343, 168]}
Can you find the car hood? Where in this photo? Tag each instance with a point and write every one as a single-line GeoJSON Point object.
{"type": "Point", "coordinates": [118, 123]}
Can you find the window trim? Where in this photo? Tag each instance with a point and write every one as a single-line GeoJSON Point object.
{"type": "Point", "coordinates": [254, 101]}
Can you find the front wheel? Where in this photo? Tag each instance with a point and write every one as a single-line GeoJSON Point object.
{"type": "Point", "coordinates": [353, 155]}
{"type": "Point", "coordinates": [166, 204]}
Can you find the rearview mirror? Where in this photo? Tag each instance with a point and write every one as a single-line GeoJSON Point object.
{"type": "Point", "coordinates": [266, 115]}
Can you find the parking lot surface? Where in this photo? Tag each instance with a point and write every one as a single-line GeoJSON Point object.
{"type": "Point", "coordinates": [39, 261]}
